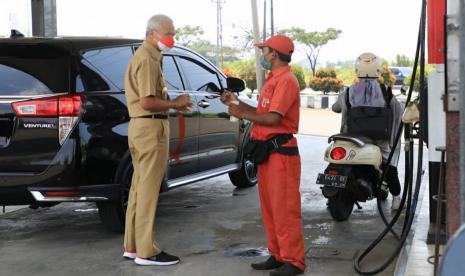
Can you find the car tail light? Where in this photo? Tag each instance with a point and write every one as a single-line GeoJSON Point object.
{"type": "Point", "coordinates": [70, 106]}
{"type": "Point", "coordinates": [66, 108]}
{"type": "Point", "coordinates": [338, 153]}
{"type": "Point", "coordinates": [62, 193]}
{"type": "Point", "coordinates": [36, 108]}
{"type": "Point", "coordinates": [333, 172]}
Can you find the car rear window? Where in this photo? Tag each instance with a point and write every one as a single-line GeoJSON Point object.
{"type": "Point", "coordinates": [33, 70]}
{"type": "Point", "coordinates": [19, 83]}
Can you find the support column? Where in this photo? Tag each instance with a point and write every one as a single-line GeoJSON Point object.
{"type": "Point", "coordinates": [259, 71]}
{"type": "Point", "coordinates": [44, 18]}
{"type": "Point", "coordinates": [451, 102]}
{"type": "Point", "coordinates": [462, 112]}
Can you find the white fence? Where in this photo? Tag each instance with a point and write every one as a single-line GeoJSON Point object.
{"type": "Point", "coordinates": [314, 100]}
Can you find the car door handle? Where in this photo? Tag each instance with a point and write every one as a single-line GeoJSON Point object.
{"type": "Point", "coordinates": [203, 104]}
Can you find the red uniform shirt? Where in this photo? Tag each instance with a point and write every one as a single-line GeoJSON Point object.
{"type": "Point", "coordinates": [280, 94]}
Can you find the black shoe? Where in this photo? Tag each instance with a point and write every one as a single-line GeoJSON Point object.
{"type": "Point", "coordinates": [160, 259]}
{"type": "Point", "coordinates": [286, 270]}
{"type": "Point", "coordinates": [271, 263]}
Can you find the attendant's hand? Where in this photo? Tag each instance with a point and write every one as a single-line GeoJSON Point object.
{"type": "Point", "coordinates": [236, 111]}
{"type": "Point", "coordinates": [227, 97]}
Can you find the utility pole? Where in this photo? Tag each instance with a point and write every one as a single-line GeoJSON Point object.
{"type": "Point", "coordinates": [272, 18]}
{"type": "Point", "coordinates": [264, 20]}
{"type": "Point", "coordinates": [219, 33]}
{"type": "Point", "coordinates": [44, 18]}
{"type": "Point", "coordinates": [256, 35]}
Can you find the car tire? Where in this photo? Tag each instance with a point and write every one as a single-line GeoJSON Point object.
{"type": "Point", "coordinates": [113, 214]}
{"type": "Point", "coordinates": [246, 176]}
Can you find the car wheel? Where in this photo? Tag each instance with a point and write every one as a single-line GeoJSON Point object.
{"type": "Point", "coordinates": [246, 176]}
{"type": "Point", "coordinates": [113, 214]}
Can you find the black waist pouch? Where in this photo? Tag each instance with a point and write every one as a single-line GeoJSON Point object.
{"type": "Point", "coordinates": [259, 151]}
{"type": "Point", "coordinates": [256, 151]}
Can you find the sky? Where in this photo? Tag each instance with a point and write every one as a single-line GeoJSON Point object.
{"type": "Point", "coordinates": [385, 28]}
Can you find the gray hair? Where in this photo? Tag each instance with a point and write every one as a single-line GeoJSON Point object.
{"type": "Point", "coordinates": [156, 21]}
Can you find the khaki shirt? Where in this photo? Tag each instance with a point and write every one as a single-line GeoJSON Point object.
{"type": "Point", "coordinates": [144, 78]}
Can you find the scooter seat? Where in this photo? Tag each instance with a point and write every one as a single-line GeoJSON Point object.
{"type": "Point", "coordinates": [354, 138]}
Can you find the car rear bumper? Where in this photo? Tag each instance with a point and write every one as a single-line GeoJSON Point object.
{"type": "Point", "coordinates": [29, 195]}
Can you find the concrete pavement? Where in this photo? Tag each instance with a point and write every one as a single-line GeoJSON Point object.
{"type": "Point", "coordinates": [215, 228]}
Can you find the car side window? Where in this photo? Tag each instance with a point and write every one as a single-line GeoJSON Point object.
{"type": "Point", "coordinates": [90, 79]}
{"type": "Point", "coordinates": [171, 74]}
{"type": "Point", "coordinates": [111, 62]}
{"type": "Point", "coordinates": [199, 76]}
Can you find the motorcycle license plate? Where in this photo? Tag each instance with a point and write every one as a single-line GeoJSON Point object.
{"type": "Point", "coordinates": [338, 181]}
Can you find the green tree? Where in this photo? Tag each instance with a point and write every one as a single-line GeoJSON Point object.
{"type": "Point", "coordinates": [191, 36]}
{"type": "Point", "coordinates": [346, 75]}
{"type": "Point", "coordinates": [387, 77]}
{"type": "Point", "coordinates": [205, 48]}
{"type": "Point", "coordinates": [186, 35]}
{"type": "Point", "coordinates": [208, 50]}
{"type": "Point", "coordinates": [346, 64]}
{"type": "Point", "coordinates": [243, 69]}
{"type": "Point", "coordinates": [416, 86]}
{"type": "Point", "coordinates": [325, 80]}
{"type": "Point", "coordinates": [402, 61]}
{"type": "Point", "coordinates": [312, 42]}
{"type": "Point", "coordinates": [300, 75]}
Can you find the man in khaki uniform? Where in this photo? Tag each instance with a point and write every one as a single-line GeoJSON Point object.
{"type": "Point", "coordinates": [148, 138]}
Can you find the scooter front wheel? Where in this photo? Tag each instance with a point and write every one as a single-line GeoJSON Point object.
{"type": "Point", "coordinates": [341, 205]}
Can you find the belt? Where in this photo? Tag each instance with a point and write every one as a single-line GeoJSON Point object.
{"type": "Point", "coordinates": [154, 116]}
{"type": "Point", "coordinates": [288, 150]}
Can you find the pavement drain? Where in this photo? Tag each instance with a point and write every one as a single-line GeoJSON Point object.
{"type": "Point", "coordinates": [331, 253]}
{"type": "Point", "coordinates": [242, 250]}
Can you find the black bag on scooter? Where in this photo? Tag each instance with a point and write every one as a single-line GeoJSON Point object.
{"type": "Point", "coordinates": [372, 122]}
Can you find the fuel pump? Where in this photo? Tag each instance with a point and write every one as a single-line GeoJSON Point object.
{"type": "Point", "coordinates": [412, 131]}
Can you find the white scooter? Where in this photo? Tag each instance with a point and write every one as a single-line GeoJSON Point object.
{"type": "Point", "coordinates": [352, 174]}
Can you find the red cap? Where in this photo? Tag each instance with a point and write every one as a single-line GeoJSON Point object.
{"type": "Point", "coordinates": [280, 43]}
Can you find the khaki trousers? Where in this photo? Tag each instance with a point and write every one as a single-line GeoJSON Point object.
{"type": "Point", "coordinates": [149, 145]}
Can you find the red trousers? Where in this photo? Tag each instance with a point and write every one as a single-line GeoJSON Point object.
{"type": "Point", "coordinates": [279, 189]}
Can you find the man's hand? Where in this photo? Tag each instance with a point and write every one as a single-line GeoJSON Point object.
{"type": "Point", "coordinates": [227, 97]}
{"type": "Point", "coordinates": [182, 103]}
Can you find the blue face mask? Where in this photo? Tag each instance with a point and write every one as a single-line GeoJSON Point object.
{"type": "Point", "coordinates": [265, 64]}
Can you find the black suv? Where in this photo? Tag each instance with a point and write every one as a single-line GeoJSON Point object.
{"type": "Point", "coordinates": [64, 123]}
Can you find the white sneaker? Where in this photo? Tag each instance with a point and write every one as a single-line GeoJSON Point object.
{"type": "Point", "coordinates": [129, 255]}
{"type": "Point", "coordinates": [161, 259]}
{"type": "Point", "coordinates": [396, 202]}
